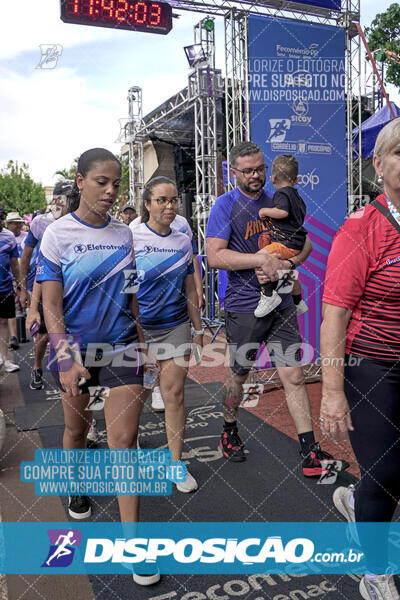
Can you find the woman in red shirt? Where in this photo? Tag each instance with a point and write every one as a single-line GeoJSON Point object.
{"type": "Point", "coordinates": [360, 355]}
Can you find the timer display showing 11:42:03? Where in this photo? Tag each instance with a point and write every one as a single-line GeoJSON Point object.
{"type": "Point", "coordinates": [134, 15]}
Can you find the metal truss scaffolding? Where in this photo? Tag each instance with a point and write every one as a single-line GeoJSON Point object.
{"type": "Point", "coordinates": [236, 78]}
{"type": "Point", "coordinates": [135, 142]}
{"type": "Point", "coordinates": [353, 104]}
{"type": "Point", "coordinates": [205, 89]}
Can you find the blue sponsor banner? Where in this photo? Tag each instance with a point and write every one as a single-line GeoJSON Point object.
{"type": "Point", "coordinates": [196, 548]}
{"type": "Point", "coordinates": [297, 106]}
{"type": "Point", "coordinates": [332, 4]}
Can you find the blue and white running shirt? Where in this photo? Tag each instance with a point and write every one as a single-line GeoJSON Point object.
{"type": "Point", "coordinates": [20, 242]}
{"type": "Point", "coordinates": [162, 263]}
{"type": "Point", "coordinates": [178, 224]}
{"type": "Point", "coordinates": [33, 239]}
{"type": "Point", "coordinates": [8, 249]}
{"type": "Point", "coordinates": [95, 264]}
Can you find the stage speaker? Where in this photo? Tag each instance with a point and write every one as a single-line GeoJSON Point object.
{"type": "Point", "coordinates": [187, 206]}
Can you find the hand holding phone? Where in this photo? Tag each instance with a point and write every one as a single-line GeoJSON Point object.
{"type": "Point", "coordinates": [34, 329]}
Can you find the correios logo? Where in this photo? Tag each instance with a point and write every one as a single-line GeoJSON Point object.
{"type": "Point", "coordinates": [63, 543]}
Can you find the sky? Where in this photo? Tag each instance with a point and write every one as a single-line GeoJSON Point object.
{"type": "Point", "coordinates": [49, 116]}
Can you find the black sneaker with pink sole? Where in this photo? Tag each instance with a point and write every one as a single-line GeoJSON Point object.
{"type": "Point", "coordinates": [231, 445]}
{"type": "Point", "coordinates": [312, 462]}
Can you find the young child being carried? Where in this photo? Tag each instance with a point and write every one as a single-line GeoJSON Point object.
{"type": "Point", "coordinates": [288, 235]}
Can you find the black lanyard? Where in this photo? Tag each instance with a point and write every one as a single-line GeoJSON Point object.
{"type": "Point", "coordinates": [386, 213]}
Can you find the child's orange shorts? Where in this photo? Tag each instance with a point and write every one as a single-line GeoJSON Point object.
{"type": "Point", "coordinates": [277, 248]}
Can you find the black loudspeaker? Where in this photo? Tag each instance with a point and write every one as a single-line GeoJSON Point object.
{"type": "Point", "coordinates": [185, 172]}
{"type": "Point", "coordinates": [187, 206]}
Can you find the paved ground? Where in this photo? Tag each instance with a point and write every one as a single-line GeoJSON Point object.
{"type": "Point", "coordinates": [19, 503]}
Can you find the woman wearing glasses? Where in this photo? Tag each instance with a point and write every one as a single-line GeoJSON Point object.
{"type": "Point", "coordinates": [168, 302]}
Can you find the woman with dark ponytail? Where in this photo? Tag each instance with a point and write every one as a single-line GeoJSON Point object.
{"type": "Point", "coordinates": [168, 304]}
{"type": "Point", "coordinates": [90, 312]}
{"type": "Point", "coordinates": [73, 198]}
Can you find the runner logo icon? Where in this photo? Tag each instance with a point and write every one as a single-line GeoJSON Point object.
{"type": "Point", "coordinates": [63, 543]}
{"type": "Point", "coordinates": [133, 279]}
{"type": "Point", "coordinates": [98, 396]}
{"type": "Point", "coordinates": [279, 129]}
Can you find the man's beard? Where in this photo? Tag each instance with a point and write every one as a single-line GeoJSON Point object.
{"type": "Point", "coordinates": [246, 187]}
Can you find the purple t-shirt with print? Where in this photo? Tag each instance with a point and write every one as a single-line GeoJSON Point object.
{"type": "Point", "coordinates": [234, 218]}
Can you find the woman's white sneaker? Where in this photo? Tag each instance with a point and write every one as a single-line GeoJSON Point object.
{"type": "Point", "coordinates": [146, 579]}
{"type": "Point", "coordinates": [381, 587]}
{"type": "Point", "coordinates": [157, 403]}
{"type": "Point", "coordinates": [10, 367]}
{"type": "Point", "coordinates": [187, 486]}
{"type": "Point", "coordinates": [341, 499]}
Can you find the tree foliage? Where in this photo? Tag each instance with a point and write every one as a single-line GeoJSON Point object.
{"type": "Point", "coordinates": [68, 173]}
{"type": "Point", "coordinates": [384, 33]}
{"type": "Point", "coordinates": [18, 191]}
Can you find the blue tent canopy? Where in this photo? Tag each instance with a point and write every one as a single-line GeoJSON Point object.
{"type": "Point", "coordinates": [371, 127]}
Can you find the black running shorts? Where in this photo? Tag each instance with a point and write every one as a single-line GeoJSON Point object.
{"type": "Point", "coordinates": [116, 373]}
{"type": "Point", "coordinates": [7, 306]}
{"type": "Point", "coordinates": [279, 330]}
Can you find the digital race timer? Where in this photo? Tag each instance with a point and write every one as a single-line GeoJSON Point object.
{"type": "Point", "coordinates": [135, 15]}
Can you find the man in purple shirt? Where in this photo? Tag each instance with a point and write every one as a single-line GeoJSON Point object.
{"type": "Point", "coordinates": [235, 234]}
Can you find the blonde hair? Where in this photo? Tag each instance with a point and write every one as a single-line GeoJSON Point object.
{"type": "Point", "coordinates": [285, 168]}
{"type": "Point", "coordinates": [388, 138]}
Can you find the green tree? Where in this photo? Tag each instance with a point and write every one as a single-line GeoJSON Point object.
{"type": "Point", "coordinates": [123, 195]}
{"type": "Point", "coordinates": [384, 33]}
{"type": "Point", "coordinates": [18, 191]}
{"type": "Point", "coordinates": [68, 173]}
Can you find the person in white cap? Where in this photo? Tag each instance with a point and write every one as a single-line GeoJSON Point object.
{"type": "Point", "coordinates": [30, 294]}
{"type": "Point", "coordinates": [14, 224]}
{"type": "Point", "coordinates": [8, 268]}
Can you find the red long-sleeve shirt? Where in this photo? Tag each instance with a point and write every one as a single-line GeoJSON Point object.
{"type": "Point", "coordinates": [363, 274]}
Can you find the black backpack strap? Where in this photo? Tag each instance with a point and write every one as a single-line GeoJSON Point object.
{"type": "Point", "coordinates": [386, 213]}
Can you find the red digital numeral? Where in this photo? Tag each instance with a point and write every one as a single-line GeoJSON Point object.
{"type": "Point", "coordinates": [120, 13]}
{"type": "Point", "coordinates": [107, 7]}
{"type": "Point", "coordinates": [155, 14]}
{"type": "Point", "coordinates": [76, 7]}
{"type": "Point", "coordinates": [140, 13]}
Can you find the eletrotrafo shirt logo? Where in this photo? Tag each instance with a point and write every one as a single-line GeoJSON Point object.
{"type": "Point", "coordinates": [63, 543]}
{"type": "Point", "coordinates": [80, 248]}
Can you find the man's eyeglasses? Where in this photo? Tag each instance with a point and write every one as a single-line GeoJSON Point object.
{"type": "Point", "coordinates": [163, 201]}
{"type": "Point", "coordinates": [258, 170]}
